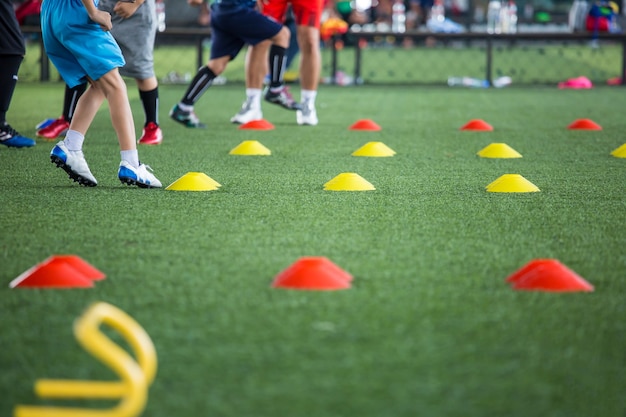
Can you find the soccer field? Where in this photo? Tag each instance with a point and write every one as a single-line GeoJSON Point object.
{"type": "Point", "coordinates": [429, 327]}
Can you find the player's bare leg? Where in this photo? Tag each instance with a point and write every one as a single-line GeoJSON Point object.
{"type": "Point", "coordinates": [310, 67]}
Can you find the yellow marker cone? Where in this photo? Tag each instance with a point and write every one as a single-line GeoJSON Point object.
{"type": "Point", "coordinates": [512, 183]}
{"type": "Point", "coordinates": [498, 150]}
{"type": "Point", "coordinates": [194, 181]}
{"type": "Point", "coordinates": [250, 147]}
{"type": "Point", "coordinates": [620, 152]}
{"type": "Point", "coordinates": [348, 181]}
{"type": "Point", "coordinates": [376, 149]}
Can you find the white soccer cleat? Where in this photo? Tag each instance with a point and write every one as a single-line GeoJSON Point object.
{"type": "Point", "coordinates": [140, 176]}
{"type": "Point", "coordinates": [74, 163]}
{"type": "Point", "coordinates": [308, 115]}
{"type": "Point", "coordinates": [247, 113]}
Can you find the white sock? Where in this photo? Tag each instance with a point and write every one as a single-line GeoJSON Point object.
{"type": "Point", "coordinates": [131, 156]}
{"type": "Point", "coordinates": [308, 95]}
{"type": "Point", "coordinates": [254, 94]}
{"type": "Point", "coordinates": [74, 140]}
{"type": "Point", "coordinates": [185, 107]}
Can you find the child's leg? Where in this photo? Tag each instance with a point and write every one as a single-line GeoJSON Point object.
{"type": "Point", "coordinates": [68, 153]}
{"type": "Point", "coordinates": [113, 88]}
{"type": "Point", "coordinates": [183, 111]}
{"type": "Point", "coordinates": [203, 79]}
{"type": "Point", "coordinates": [256, 64]}
{"type": "Point", "coordinates": [86, 109]}
{"type": "Point", "coordinates": [149, 95]}
{"type": "Point", "coordinates": [70, 101]}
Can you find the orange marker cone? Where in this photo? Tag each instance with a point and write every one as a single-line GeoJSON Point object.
{"type": "Point", "coordinates": [477, 125]}
{"type": "Point", "coordinates": [260, 124]}
{"type": "Point", "coordinates": [52, 273]}
{"type": "Point", "coordinates": [584, 124]}
{"type": "Point", "coordinates": [365, 124]}
{"type": "Point", "coordinates": [548, 275]}
{"type": "Point", "coordinates": [313, 273]}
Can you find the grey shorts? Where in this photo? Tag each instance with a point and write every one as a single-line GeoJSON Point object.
{"type": "Point", "coordinates": [135, 36]}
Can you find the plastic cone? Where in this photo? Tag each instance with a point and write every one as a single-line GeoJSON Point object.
{"type": "Point", "coordinates": [88, 270]}
{"type": "Point", "coordinates": [584, 124]}
{"type": "Point", "coordinates": [512, 183]}
{"type": "Point", "coordinates": [478, 125]}
{"type": "Point", "coordinates": [620, 152]}
{"type": "Point", "coordinates": [250, 147]}
{"type": "Point", "coordinates": [52, 273]}
{"type": "Point", "coordinates": [348, 181]}
{"type": "Point", "coordinates": [498, 150]}
{"type": "Point", "coordinates": [194, 181]}
{"type": "Point", "coordinates": [375, 149]}
{"type": "Point", "coordinates": [260, 124]}
{"type": "Point", "coordinates": [548, 275]}
{"type": "Point", "coordinates": [365, 124]}
{"type": "Point", "coordinates": [313, 273]}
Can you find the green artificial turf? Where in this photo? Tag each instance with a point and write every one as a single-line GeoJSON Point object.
{"type": "Point", "coordinates": [429, 327]}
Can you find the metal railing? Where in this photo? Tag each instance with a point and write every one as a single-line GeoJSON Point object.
{"type": "Point", "coordinates": [489, 40]}
{"type": "Point", "coordinates": [197, 37]}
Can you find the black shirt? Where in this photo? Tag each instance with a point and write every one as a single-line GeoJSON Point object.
{"type": "Point", "coordinates": [11, 40]}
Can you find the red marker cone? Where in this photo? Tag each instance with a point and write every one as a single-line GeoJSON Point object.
{"type": "Point", "coordinates": [584, 124]}
{"type": "Point", "coordinates": [260, 124]}
{"type": "Point", "coordinates": [52, 273]}
{"type": "Point", "coordinates": [365, 124]}
{"type": "Point", "coordinates": [478, 125]}
{"type": "Point", "coordinates": [82, 266]}
{"type": "Point", "coordinates": [313, 273]}
{"type": "Point", "coordinates": [548, 275]}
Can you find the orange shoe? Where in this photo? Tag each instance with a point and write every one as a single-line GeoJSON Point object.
{"type": "Point", "coordinates": [55, 129]}
{"type": "Point", "coordinates": [151, 135]}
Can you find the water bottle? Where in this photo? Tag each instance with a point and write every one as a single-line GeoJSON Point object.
{"type": "Point", "coordinates": [512, 19]}
{"type": "Point", "coordinates": [398, 17]}
{"type": "Point", "coordinates": [467, 82]}
{"type": "Point", "coordinates": [493, 16]}
{"type": "Point", "coordinates": [160, 15]}
{"type": "Point", "coordinates": [504, 17]}
{"type": "Point", "coordinates": [437, 12]}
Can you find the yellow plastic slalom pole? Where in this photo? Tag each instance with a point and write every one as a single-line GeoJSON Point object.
{"type": "Point", "coordinates": [135, 377]}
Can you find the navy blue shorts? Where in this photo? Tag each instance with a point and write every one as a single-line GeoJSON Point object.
{"type": "Point", "coordinates": [233, 26]}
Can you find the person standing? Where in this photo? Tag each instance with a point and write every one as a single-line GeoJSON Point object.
{"type": "Point", "coordinates": [235, 23]}
{"type": "Point", "coordinates": [308, 15]}
{"type": "Point", "coordinates": [134, 29]}
{"type": "Point", "coordinates": [12, 51]}
{"type": "Point", "coordinates": [78, 42]}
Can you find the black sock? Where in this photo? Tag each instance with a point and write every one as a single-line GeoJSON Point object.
{"type": "Point", "coordinates": [71, 98]}
{"type": "Point", "coordinates": [150, 101]}
{"type": "Point", "coordinates": [8, 79]}
{"type": "Point", "coordinates": [198, 86]}
{"type": "Point", "coordinates": [278, 65]}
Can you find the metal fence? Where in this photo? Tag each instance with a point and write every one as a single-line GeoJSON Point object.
{"type": "Point", "coordinates": [388, 58]}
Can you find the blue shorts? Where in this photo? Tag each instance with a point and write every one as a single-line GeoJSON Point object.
{"type": "Point", "coordinates": [76, 45]}
{"type": "Point", "coordinates": [233, 26]}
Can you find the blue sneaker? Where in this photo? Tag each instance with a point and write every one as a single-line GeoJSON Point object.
{"type": "Point", "coordinates": [74, 163]}
{"type": "Point", "coordinates": [9, 137]}
{"type": "Point", "coordinates": [137, 176]}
